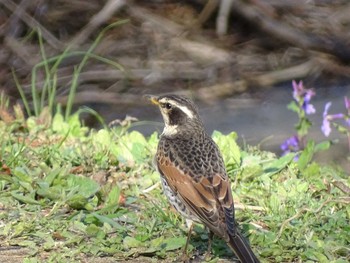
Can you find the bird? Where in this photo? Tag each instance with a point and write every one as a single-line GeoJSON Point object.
{"type": "Point", "coordinates": [193, 174]}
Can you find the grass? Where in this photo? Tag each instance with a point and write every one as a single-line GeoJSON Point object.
{"type": "Point", "coordinates": [44, 97]}
{"type": "Point", "coordinates": [69, 193]}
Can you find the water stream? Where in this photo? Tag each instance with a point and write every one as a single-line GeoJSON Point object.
{"type": "Point", "coordinates": [260, 117]}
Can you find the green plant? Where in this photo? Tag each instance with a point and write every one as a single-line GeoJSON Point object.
{"type": "Point", "coordinates": [76, 194]}
{"type": "Point", "coordinates": [46, 97]}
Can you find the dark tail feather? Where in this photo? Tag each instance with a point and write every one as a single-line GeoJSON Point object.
{"type": "Point", "coordinates": [242, 249]}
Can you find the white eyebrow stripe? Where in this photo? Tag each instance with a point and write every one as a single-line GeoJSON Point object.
{"type": "Point", "coordinates": [185, 109]}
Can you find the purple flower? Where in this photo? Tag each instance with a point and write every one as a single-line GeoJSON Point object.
{"type": "Point", "coordinates": [347, 106]}
{"type": "Point", "coordinates": [298, 89]}
{"type": "Point", "coordinates": [307, 107]}
{"type": "Point", "coordinates": [303, 96]}
{"type": "Point", "coordinates": [326, 125]}
{"type": "Point", "coordinates": [327, 118]}
{"type": "Point", "coordinates": [347, 103]}
{"type": "Point", "coordinates": [292, 144]}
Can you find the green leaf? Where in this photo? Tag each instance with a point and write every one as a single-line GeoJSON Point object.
{"type": "Point", "coordinates": [293, 106]}
{"type": "Point", "coordinates": [320, 257]}
{"type": "Point", "coordinates": [24, 198]}
{"type": "Point", "coordinates": [339, 261]}
{"type": "Point", "coordinates": [6, 177]}
{"type": "Point", "coordinates": [306, 155]}
{"type": "Point", "coordinates": [27, 243]}
{"type": "Point", "coordinates": [52, 175]}
{"type": "Point", "coordinates": [22, 175]}
{"type": "Point", "coordinates": [229, 148]}
{"type": "Point", "coordinates": [313, 171]}
{"type": "Point", "coordinates": [102, 137]}
{"type": "Point", "coordinates": [138, 146]}
{"type": "Point", "coordinates": [153, 140]}
{"type": "Point", "coordinates": [275, 204]}
{"type": "Point", "coordinates": [94, 231]}
{"type": "Point", "coordinates": [113, 197]}
{"type": "Point", "coordinates": [322, 146]}
{"type": "Point", "coordinates": [131, 148]}
{"type": "Point", "coordinates": [110, 221]}
{"type": "Point", "coordinates": [75, 126]}
{"type": "Point", "coordinates": [52, 193]}
{"type": "Point", "coordinates": [85, 186]}
{"type": "Point", "coordinates": [59, 125]}
{"type": "Point", "coordinates": [174, 243]}
{"type": "Point", "coordinates": [31, 124]}
{"type": "Point", "coordinates": [277, 165]}
{"type": "Point", "coordinates": [130, 242]}
{"type": "Point", "coordinates": [77, 201]}
{"type": "Point", "coordinates": [303, 127]}
{"type": "Point", "coordinates": [72, 126]}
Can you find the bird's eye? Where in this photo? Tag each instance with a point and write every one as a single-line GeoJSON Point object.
{"type": "Point", "coordinates": [167, 106]}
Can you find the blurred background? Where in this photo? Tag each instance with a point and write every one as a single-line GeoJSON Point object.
{"type": "Point", "coordinates": [235, 58]}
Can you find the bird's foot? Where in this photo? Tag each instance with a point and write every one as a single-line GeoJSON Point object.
{"type": "Point", "coordinates": [184, 258]}
{"type": "Point", "coordinates": [207, 256]}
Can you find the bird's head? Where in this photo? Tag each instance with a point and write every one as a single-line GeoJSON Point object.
{"type": "Point", "coordinates": [180, 114]}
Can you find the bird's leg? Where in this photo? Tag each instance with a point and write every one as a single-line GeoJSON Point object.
{"type": "Point", "coordinates": [184, 255]}
{"type": "Point", "coordinates": [210, 239]}
{"type": "Point", "coordinates": [188, 238]}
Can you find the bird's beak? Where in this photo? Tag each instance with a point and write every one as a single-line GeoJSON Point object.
{"type": "Point", "coordinates": [152, 98]}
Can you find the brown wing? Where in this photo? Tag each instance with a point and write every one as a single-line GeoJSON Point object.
{"type": "Point", "coordinates": [209, 199]}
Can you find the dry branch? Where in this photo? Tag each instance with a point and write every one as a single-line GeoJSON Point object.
{"type": "Point", "coordinates": [223, 16]}
{"type": "Point", "coordinates": [159, 71]}
{"type": "Point", "coordinates": [33, 24]}
{"type": "Point", "coordinates": [295, 72]}
{"type": "Point", "coordinates": [94, 96]}
{"type": "Point", "coordinates": [160, 54]}
{"type": "Point", "coordinates": [206, 13]}
{"type": "Point", "coordinates": [21, 51]}
{"type": "Point", "coordinates": [278, 29]}
{"type": "Point", "coordinates": [97, 20]}
{"type": "Point", "coordinates": [165, 25]}
{"type": "Point", "coordinates": [203, 53]}
{"type": "Point", "coordinates": [264, 80]}
{"type": "Point", "coordinates": [199, 51]}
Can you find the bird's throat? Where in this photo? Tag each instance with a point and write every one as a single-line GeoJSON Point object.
{"type": "Point", "coordinates": [170, 130]}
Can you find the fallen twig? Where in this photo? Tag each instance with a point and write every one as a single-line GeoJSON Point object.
{"type": "Point", "coordinates": [264, 80]}
{"type": "Point", "coordinates": [21, 51]}
{"type": "Point", "coordinates": [84, 97]}
{"type": "Point", "coordinates": [101, 17]}
{"type": "Point", "coordinates": [155, 74]}
{"type": "Point", "coordinates": [342, 187]}
{"type": "Point", "coordinates": [198, 50]}
{"type": "Point", "coordinates": [207, 11]}
{"type": "Point", "coordinates": [32, 23]}
{"type": "Point", "coordinates": [306, 40]}
{"type": "Point", "coordinates": [241, 206]}
{"type": "Point", "coordinates": [223, 16]}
